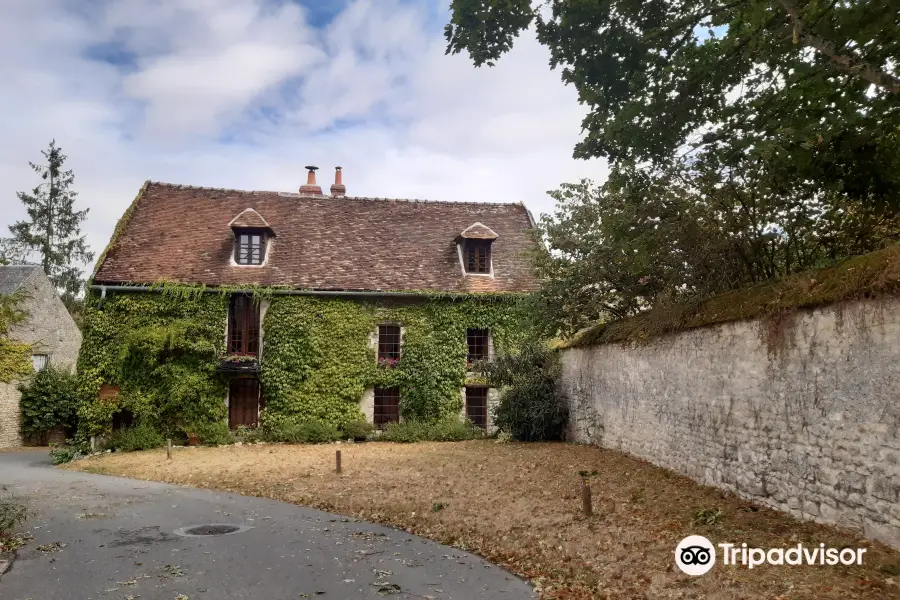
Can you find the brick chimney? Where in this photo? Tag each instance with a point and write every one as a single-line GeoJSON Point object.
{"type": "Point", "coordinates": [338, 189]}
{"type": "Point", "coordinates": [311, 189]}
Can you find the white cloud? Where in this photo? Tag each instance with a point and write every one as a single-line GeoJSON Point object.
{"type": "Point", "coordinates": [243, 93]}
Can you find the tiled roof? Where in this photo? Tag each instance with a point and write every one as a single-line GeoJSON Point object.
{"type": "Point", "coordinates": [182, 234]}
{"type": "Point", "coordinates": [13, 276]}
{"type": "Point", "coordinates": [478, 231]}
{"type": "Point", "coordinates": [249, 218]}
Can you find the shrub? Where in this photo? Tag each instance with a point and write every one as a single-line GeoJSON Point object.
{"type": "Point", "coordinates": [48, 401]}
{"type": "Point", "coordinates": [71, 450]}
{"type": "Point", "coordinates": [307, 432]}
{"type": "Point", "coordinates": [213, 433]}
{"type": "Point", "coordinates": [247, 435]}
{"type": "Point", "coordinates": [532, 408]}
{"type": "Point", "coordinates": [357, 430]}
{"type": "Point", "coordinates": [449, 429]}
{"type": "Point", "coordinates": [139, 437]}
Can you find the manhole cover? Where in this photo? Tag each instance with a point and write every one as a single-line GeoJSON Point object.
{"type": "Point", "coordinates": [210, 529]}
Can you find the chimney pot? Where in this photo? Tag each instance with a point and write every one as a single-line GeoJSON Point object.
{"type": "Point", "coordinates": [311, 188]}
{"type": "Point", "coordinates": [338, 189]}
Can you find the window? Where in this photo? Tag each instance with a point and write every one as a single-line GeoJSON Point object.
{"type": "Point", "coordinates": [388, 343]}
{"type": "Point", "coordinates": [387, 406]}
{"type": "Point", "coordinates": [476, 405]}
{"type": "Point", "coordinates": [477, 342]}
{"type": "Point", "coordinates": [250, 247]}
{"type": "Point", "coordinates": [478, 256]}
{"type": "Point", "coordinates": [243, 326]}
{"type": "Point", "coordinates": [39, 361]}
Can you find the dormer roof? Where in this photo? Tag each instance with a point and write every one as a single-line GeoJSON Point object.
{"type": "Point", "coordinates": [250, 219]}
{"type": "Point", "coordinates": [477, 231]}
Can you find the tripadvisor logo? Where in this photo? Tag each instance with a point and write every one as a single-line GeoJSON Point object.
{"type": "Point", "coordinates": [696, 555]}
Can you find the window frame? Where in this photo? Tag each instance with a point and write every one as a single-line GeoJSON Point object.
{"type": "Point", "coordinates": [394, 343]}
{"type": "Point", "coordinates": [242, 323]}
{"type": "Point", "coordinates": [238, 245]}
{"type": "Point", "coordinates": [380, 416]}
{"type": "Point", "coordinates": [473, 263]}
{"type": "Point", "coordinates": [482, 333]}
{"type": "Point", "coordinates": [483, 416]}
{"type": "Point", "coordinates": [44, 364]}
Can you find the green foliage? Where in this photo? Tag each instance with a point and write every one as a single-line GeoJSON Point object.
{"type": "Point", "coordinates": [318, 360]}
{"type": "Point", "coordinates": [307, 432]}
{"type": "Point", "coordinates": [214, 433]}
{"type": "Point", "coordinates": [162, 351]}
{"type": "Point", "coordinates": [356, 430]}
{"type": "Point", "coordinates": [748, 140]}
{"type": "Point", "coordinates": [15, 357]}
{"type": "Point", "coordinates": [247, 435]}
{"type": "Point", "coordinates": [140, 437]}
{"type": "Point", "coordinates": [641, 240]}
{"type": "Point", "coordinates": [486, 28]}
{"type": "Point", "coordinates": [12, 514]}
{"type": "Point", "coordinates": [532, 408]}
{"type": "Point", "coordinates": [53, 228]}
{"type": "Point", "coordinates": [708, 516]}
{"type": "Point", "coordinates": [48, 400]}
{"type": "Point", "coordinates": [73, 449]}
{"type": "Point", "coordinates": [447, 429]}
{"type": "Point", "coordinates": [809, 89]}
{"type": "Point", "coordinates": [871, 275]}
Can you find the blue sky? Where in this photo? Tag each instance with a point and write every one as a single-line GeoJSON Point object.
{"type": "Point", "coordinates": [244, 93]}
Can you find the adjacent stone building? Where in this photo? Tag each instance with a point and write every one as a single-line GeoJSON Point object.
{"type": "Point", "coordinates": [48, 328]}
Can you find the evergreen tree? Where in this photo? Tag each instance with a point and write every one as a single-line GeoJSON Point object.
{"type": "Point", "coordinates": [53, 228]}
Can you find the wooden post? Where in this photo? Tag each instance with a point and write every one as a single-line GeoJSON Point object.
{"type": "Point", "coordinates": [337, 461]}
{"type": "Point", "coordinates": [169, 448]}
{"type": "Point", "coordinates": [93, 445]}
{"type": "Point", "coordinates": [586, 497]}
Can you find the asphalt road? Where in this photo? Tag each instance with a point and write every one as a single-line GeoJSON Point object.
{"type": "Point", "coordinates": [120, 543]}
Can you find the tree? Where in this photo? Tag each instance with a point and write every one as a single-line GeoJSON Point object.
{"type": "Point", "coordinates": [645, 238]}
{"type": "Point", "coordinates": [803, 88]}
{"type": "Point", "coordinates": [53, 228]}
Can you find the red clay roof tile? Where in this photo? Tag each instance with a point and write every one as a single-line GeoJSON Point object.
{"type": "Point", "coordinates": [181, 234]}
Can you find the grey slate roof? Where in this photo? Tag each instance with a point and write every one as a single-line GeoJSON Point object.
{"type": "Point", "coordinates": [13, 276]}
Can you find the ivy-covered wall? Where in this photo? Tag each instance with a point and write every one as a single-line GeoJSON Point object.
{"type": "Point", "coordinates": [162, 350]}
{"type": "Point", "coordinates": [15, 357]}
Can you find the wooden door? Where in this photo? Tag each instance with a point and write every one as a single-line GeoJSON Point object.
{"type": "Point", "coordinates": [244, 403]}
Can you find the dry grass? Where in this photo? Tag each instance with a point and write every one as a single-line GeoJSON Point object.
{"type": "Point", "coordinates": [519, 506]}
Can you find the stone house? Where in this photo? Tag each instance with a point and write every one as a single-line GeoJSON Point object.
{"type": "Point", "coordinates": [48, 329]}
{"type": "Point", "coordinates": [319, 306]}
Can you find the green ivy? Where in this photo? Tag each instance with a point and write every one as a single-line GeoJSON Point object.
{"type": "Point", "coordinates": [318, 359]}
{"type": "Point", "coordinates": [162, 349]}
{"type": "Point", "coordinates": [15, 357]}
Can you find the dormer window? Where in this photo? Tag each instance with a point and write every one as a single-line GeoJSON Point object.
{"type": "Point", "coordinates": [252, 233]}
{"type": "Point", "coordinates": [475, 243]}
{"type": "Point", "coordinates": [478, 256]}
{"type": "Point", "coordinates": [250, 248]}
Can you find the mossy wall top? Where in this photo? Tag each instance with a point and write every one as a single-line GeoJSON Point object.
{"type": "Point", "coordinates": [865, 276]}
{"type": "Point", "coordinates": [162, 350]}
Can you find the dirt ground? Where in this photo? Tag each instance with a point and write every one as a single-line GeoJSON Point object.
{"type": "Point", "coordinates": [519, 505]}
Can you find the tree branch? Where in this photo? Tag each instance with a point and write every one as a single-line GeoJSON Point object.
{"type": "Point", "coordinates": [845, 62]}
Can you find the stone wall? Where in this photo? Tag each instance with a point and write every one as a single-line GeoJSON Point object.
{"type": "Point", "coordinates": [50, 330]}
{"type": "Point", "coordinates": [800, 413]}
{"type": "Point", "coordinates": [9, 416]}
